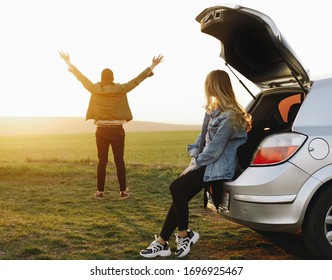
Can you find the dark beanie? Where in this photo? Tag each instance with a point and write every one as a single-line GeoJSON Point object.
{"type": "Point", "coordinates": [107, 76]}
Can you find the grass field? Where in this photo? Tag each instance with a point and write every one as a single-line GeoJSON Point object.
{"type": "Point", "coordinates": [48, 211]}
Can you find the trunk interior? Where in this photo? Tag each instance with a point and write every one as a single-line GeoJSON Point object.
{"type": "Point", "coordinates": [273, 112]}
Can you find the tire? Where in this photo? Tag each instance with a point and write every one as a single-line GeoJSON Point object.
{"type": "Point", "coordinates": [317, 226]}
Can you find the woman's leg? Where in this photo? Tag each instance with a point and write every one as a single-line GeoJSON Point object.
{"type": "Point", "coordinates": [102, 148]}
{"type": "Point", "coordinates": [216, 189]}
{"type": "Point", "coordinates": [183, 189]}
{"type": "Point", "coordinates": [118, 145]}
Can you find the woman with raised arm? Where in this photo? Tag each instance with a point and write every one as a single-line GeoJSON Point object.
{"type": "Point", "coordinates": [109, 108]}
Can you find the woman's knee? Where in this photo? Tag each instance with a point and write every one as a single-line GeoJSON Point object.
{"type": "Point", "coordinates": [119, 161]}
{"type": "Point", "coordinates": [175, 187]}
{"type": "Point", "coordinates": [102, 162]}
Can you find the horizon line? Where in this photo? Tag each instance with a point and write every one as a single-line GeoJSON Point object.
{"type": "Point", "coordinates": [83, 118]}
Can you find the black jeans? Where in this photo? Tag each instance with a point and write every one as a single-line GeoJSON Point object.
{"type": "Point", "coordinates": [115, 137]}
{"type": "Point", "coordinates": [183, 189]}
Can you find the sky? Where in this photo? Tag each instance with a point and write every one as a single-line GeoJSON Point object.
{"type": "Point", "coordinates": [124, 36]}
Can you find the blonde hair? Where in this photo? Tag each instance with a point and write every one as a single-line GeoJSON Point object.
{"type": "Point", "coordinates": [219, 94]}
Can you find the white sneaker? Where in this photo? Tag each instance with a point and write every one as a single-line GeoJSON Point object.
{"type": "Point", "coordinates": [185, 243]}
{"type": "Point", "coordinates": [156, 249]}
{"type": "Point", "coordinates": [99, 195]}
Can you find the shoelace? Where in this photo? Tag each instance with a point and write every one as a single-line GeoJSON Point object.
{"type": "Point", "coordinates": [154, 244]}
{"type": "Point", "coordinates": [182, 242]}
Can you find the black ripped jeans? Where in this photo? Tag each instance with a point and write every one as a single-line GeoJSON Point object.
{"type": "Point", "coordinates": [115, 137]}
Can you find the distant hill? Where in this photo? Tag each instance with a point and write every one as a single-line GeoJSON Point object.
{"type": "Point", "coordinates": [67, 125]}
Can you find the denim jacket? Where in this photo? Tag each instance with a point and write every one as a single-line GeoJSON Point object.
{"type": "Point", "coordinates": [219, 154]}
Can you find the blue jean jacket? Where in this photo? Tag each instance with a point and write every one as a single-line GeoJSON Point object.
{"type": "Point", "coordinates": [219, 154]}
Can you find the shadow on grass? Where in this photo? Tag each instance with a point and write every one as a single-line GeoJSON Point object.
{"type": "Point", "coordinates": [292, 244]}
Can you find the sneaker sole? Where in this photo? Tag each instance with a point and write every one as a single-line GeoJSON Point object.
{"type": "Point", "coordinates": [126, 196]}
{"type": "Point", "coordinates": [157, 254]}
{"type": "Point", "coordinates": [192, 242]}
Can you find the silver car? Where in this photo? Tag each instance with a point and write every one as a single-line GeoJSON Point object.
{"type": "Point", "coordinates": [286, 179]}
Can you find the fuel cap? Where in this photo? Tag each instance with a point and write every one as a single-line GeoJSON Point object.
{"type": "Point", "coordinates": [319, 148]}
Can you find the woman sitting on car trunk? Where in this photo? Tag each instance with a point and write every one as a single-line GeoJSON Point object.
{"type": "Point", "coordinates": [214, 161]}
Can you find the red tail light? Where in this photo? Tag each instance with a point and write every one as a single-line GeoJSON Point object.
{"type": "Point", "coordinates": [277, 148]}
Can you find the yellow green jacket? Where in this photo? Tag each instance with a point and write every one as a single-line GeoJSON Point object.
{"type": "Point", "coordinates": [109, 102]}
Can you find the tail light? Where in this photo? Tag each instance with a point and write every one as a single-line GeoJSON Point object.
{"type": "Point", "coordinates": [277, 148]}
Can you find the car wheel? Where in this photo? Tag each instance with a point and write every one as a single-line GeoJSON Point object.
{"type": "Point", "coordinates": [317, 226]}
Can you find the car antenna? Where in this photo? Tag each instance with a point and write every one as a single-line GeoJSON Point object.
{"type": "Point", "coordinates": [253, 96]}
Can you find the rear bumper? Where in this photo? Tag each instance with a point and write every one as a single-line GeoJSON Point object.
{"type": "Point", "coordinates": [263, 217]}
{"type": "Point", "coordinates": [268, 198]}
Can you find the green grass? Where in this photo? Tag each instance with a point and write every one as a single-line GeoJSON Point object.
{"type": "Point", "coordinates": [48, 211]}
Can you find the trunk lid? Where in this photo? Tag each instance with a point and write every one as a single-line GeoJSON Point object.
{"type": "Point", "coordinates": [252, 44]}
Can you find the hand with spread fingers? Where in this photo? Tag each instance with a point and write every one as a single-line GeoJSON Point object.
{"type": "Point", "coordinates": [65, 57]}
{"type": "Point", "coordinates": [156, 61]}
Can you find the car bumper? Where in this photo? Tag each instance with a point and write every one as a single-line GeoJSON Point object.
{"type": "Point", "coordinates": [267, 198]}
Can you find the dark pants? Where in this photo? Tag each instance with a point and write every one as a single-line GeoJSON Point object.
{"type": "Point", "coordinates": [183, 189]}
{"type": "Point", "coordinates": [115, 137]}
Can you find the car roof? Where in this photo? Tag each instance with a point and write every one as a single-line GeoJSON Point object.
{"type": "Point", "coordinates": [252, 44]}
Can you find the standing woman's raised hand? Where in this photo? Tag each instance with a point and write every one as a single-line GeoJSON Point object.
{"type": "Point", "coordinates": [65, 57]}
{"type": "Point", "coordinates": [156, 61]}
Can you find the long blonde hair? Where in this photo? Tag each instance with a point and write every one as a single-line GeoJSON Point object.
{"type": "Point", "coordinates": [219, 94]}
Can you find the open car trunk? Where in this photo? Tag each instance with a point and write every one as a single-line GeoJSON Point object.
{"type": "Point", "coordinates": [252, 44]}
{"type": "Point", "coordinates": [273, 112]}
